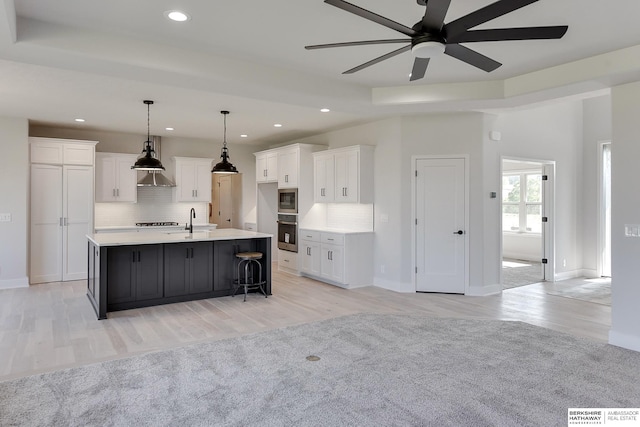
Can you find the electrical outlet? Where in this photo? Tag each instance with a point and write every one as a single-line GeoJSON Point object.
{"type": "Point", "coordinates": [564, 262]}
{"type": "Point", "coordinates": [5, 217]}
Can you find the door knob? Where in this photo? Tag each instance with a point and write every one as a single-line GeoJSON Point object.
{"type": "Point", "coordinates": [458, 232]}
{"type": "Point", "coordinates": [229, 220]}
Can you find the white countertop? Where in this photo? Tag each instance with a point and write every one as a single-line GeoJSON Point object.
{"type": "Point", "coordinates": [153, 228]}
{"type": "Point", "coordinates": [179, 236]}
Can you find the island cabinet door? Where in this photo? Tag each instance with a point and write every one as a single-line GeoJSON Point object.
{"type": "Point", "coordinates": [121, 274]}
{"type": "Point", "coordinates": [177, 258]}
{"type": "Point", "coordinates": [148, 266]}
{"type": "Point", "coordinates": [201, 268]}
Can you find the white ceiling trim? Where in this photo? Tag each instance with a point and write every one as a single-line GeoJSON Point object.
{"type": "Point", "coordinates": [8, 20]}
{"type": "Point", "coordinates": [582, 76]}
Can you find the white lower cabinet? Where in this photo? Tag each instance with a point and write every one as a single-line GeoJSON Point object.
{"type": "Point", "coordinates": [288, 261]}
{"type": "Point", "coordinates": [342, 259]}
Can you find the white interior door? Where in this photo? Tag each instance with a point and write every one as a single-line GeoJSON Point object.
{"type": "Point", "coordinates": [441, 237]}
{"type": "Point", "coordinates": [226, 202]}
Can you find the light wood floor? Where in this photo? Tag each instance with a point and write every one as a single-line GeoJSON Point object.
{"type": "Point", "coordinates": [52, 326]}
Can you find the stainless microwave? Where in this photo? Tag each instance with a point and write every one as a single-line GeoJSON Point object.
{"type": "Point", "coordinates": [288, 200]}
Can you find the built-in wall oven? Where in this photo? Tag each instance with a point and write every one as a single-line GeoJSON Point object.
{"type": "Point", "coordinates": [288, 200]}
{"type": "Point", "coordinates": [288, 232]}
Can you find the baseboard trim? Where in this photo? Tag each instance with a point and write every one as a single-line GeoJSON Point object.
{"type": "Point", "coordinates": [630, 342]}
{"type": "Point", "coordinates": [483, 291]}
{"type": "Point", "coordinates": [407, 288]}
{"type": "Point", "coordinates": [23, 282]}
{"type": "Point", "coordinates": [567, 275]}
{"type": "Point", "coordinates": [587, 272]}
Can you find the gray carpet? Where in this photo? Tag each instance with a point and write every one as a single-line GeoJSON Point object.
{"type": "Point", "coordinates": [374, 370]}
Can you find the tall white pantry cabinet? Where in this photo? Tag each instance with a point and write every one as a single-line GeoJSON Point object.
{"type": "Point", "coordinates": [62, 199]}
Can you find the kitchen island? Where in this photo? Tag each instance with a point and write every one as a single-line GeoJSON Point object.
{"type": "Point", "coordinates": [132, 270]}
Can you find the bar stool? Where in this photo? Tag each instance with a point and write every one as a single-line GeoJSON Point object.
{"type": "Point", "coordinates": [247, 261]}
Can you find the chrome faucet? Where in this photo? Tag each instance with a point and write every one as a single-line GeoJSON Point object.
{"type": "Point", "coordinates": [192, 214]}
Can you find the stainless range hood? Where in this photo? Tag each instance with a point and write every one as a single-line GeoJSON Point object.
{"type": "Point", "coordinates": [155, 178]}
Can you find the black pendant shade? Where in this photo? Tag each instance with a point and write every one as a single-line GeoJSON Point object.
{"type": "Point", "coordinates": [224, 166]}
{"type": "Point", "coordinates": [148, 162]}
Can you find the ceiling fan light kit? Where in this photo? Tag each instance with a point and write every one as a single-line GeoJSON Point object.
{"type": "Point", "coordinates": [431, 37]}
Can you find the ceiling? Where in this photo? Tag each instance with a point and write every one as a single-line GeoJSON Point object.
{"type": "Point", "coordinates": [98, 60]}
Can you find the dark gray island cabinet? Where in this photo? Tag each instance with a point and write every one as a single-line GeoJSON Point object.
{"type": "Point", "coordinates": [133, 270]}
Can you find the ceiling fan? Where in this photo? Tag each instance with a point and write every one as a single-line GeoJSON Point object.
{"type": "Point", "coordinates": [431, 36]}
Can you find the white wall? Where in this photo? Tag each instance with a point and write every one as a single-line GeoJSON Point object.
{"type": "Point", "coordinates": [14, 196]}
{"type": "Point", "coordinates": [597, 129]}
{"type": "Point", "coordinates": [625, 209]}
{"type": "Point", "coordinates": [553, 132]}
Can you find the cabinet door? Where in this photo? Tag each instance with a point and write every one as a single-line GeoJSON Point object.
{"type": "Point", "coordinates": [332, 262]}
{"type": "Point", "coordinates": [288, 169]}
{"type": "Point", "coordinates": [121, 274]}
{"type": "Point", "coordinates": [201, 267]}
{"type": "Point", "coordinates": [149, 279]}
{"type": "Point", "coordinates": [224, 264]}
{"type": "Point", "coordinates": [176, 269]}
{"type": "Point", "coordinates": [78, 154]}
{"type": "Point", "coordinates": [185, 181]}
{"type": "Point", "coordinates": [105, 179]}
{"type": "Point", "coordinates": [272, 167]}
{"type": "Point", "coordinates": [126, 180]}
{"type": "Point", "coordinates": [46, 223]}
{"type": "Point", "coordinates": [323, 168]}
{"type": "Point", "coordinates": [77, 199]}
{"type": "Point", "coordinates": [311, 257]}
{"type": "Point", "coordinates": [202, 179]}
{"type": "Point", "coordinates": [346, 177]}
{"type": "Point", "coordinates": [261, 168]}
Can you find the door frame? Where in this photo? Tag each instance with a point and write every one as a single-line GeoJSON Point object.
{"type": "Point", "coordinates": [600, 205]}
{"type": "Point", "coordinates": [414, 246]}
{"type": "Point", "coordinates": [548, 210]}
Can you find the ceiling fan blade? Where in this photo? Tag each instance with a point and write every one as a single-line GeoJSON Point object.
{"type": "Point", "coordinates": [361, 43]}
{"type": "Point", "coordinates": [419, 68]}
{"type": "Point", "coordinates": [433, 19]}
{"type": "Point", "coordinates": [378, 19]}
{"type": "Point", "coordinates": [379, 59]}
{"type": "Point", "coordinates": [487, 13]}
{"type": "Point", "coordinates": [471, 57]}
{"type": "Point", "coordinates": [500, 34]}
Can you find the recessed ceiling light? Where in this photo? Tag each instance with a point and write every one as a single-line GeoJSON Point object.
{"type": "Point", "coordinates": [324, 110]}
{"type": "Point", "coordinates": [176, 15]}
{"type": "Point", "coordinates": [168, 128]}
{"type": "Point", "coordinates": [79, 120]}
{"type": "Point", "coordinates": [277, 125]}
{"type": "Point", "coordinates": [243, 136]}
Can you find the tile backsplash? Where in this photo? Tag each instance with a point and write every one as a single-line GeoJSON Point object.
{"type": "Point", "coordinates": [350, 216]}
{"type": "Point", "coordinates": [155, 204]}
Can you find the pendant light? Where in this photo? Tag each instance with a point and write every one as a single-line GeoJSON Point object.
{"type": "Point", "coordinates": [224, 166]}
{"type": "Point", "coordinates": [148, 162]}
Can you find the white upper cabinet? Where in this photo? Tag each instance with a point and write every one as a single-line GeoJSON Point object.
{"type": "Point", "coordinates": [55, 151]}
{"type": "Point", "coordinates": [193, 179]}
{"type": "Point", "coordinates": [288, 164]}
{"type": "Point", "coordinates": [323, 169]}
{"type": "Point", "coordinates": [267, 166]}
{"type": "Point", "coordinates": [115, 180]}
{"type": "Point", "coordinates": [344, 175]}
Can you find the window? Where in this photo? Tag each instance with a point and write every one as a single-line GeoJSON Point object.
{"type": "Point", "coordinates": [522, 202]}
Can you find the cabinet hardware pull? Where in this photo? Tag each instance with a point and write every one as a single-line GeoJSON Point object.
{"type": "Point", "coordinates": [134, 256]}
{"type": "Point", "coordinates": [65, 221]}
{"type": "Point", "coordinates": [187, 256]}
{"type": "Point", "coordinates": [117, 192]}
{"type": "Point", "coordinates": [113, 192]}
{"type": "Point", "coordinates": [60, 221]}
